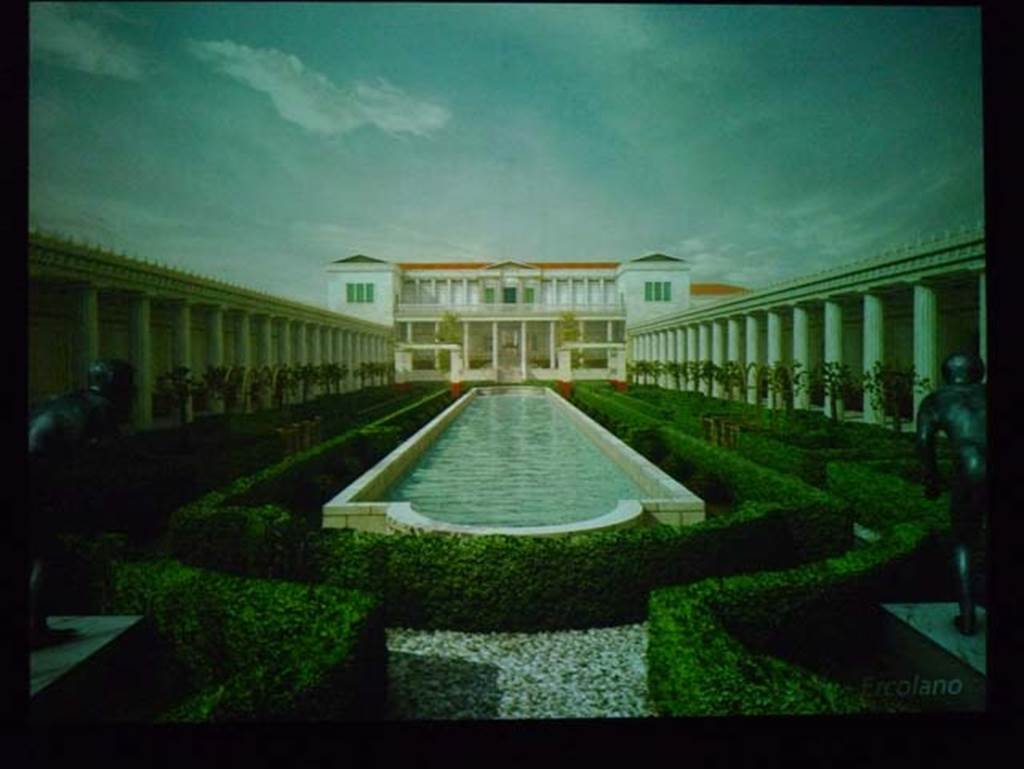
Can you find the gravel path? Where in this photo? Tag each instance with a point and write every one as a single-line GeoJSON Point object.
{"type": "Point", "coordinates": [596, 673]}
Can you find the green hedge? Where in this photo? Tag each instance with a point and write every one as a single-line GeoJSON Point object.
{"type": "Point", "coordinates": [880, 500]}
{"type": "Point", "coordinates": [541, 583]}
{"type": "Point", "coordinates": [706, 644]}
{"type": "Point", "coordinates": [300, 484]}
{"type": "Point", "coordinates": [820, 526]}
{"type": "Point", "coordinates": [260, 649]}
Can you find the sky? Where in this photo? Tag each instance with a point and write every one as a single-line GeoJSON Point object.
{"type": "Point", "coordinates": [256, 143]}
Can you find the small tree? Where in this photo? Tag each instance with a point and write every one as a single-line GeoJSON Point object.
{"type": "Point", "coordinates": [889, 388]}
{"type": "Point", "coordinates": [259, 385]}
{"type": "Point", "coordinates": [799, 380]}
{"type": "Point", "coordinates": [657, 370]}
{"type": "Point", "coordinates": [569, 331]}
{"type": "Point", "coordinates": [708, 370]}
{"type": "Point", "coordinates": [449, 331]}
{"type": "Point", "coordinates": [631, 369]}
{"type": "Point", "coordinates": [675, 370]}
{"type": "Point", "coordinates": [178, 386]}
{"type": "Point", "coordinates": [732, 379]}
{"type": "Point", "coordinates": [215, 381]}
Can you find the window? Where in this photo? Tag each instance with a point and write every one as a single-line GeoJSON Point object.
{"type": "Point", "coordinates": [358, 292]}
{"type": "Point", "coordinates": [488, 295]}
{"type": "Point", "coordinates": [509, 296]}
{"type": "Point", "coordinates": [657, 291]}
{"type": "Point", "coordinates": [528, 295]}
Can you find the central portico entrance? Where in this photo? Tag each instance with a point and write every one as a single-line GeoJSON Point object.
{"type": "Point", "coordinates": [510, 352]}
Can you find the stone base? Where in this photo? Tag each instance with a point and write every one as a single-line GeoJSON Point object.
{"type": "Point", "coordinates": [80, 679]}
{"type": "Point", "coordinates": [938, 660]}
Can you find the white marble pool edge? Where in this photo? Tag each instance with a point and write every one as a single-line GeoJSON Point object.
{"type": "Point", "coordinates": [666, 500]}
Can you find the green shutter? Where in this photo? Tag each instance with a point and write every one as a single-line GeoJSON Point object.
{"type": "Point", "coordinates": [666, 292]}
{"type": "Point", "coordinates": [369, 292]}
{"type": "Point", "coordinates": [360, 291]}
{"type": "Point", "coordinates": [657, 291]}
{"type": "Point", "coordinates": [348, 293]}
{"type": "Point", "coordinates": [648, 291]}
{"type": "Point", "coordinates": [489, 295]}
{"type": "Point", "coordinates": [529, 296]}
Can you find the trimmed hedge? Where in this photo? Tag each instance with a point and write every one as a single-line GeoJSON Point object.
{"type": "Point", "coordinates": [504, 583]}
{"type": "Point", "coordinates": [820, 526]}
{"type": "Point", "coordinates": [299, 484]}
{"type": "Point", "coordinates": [880, 500]}
{"type": "Point", "coordinates": [260, 649]}
{"type": "Point", "coordinates": [706, 644]}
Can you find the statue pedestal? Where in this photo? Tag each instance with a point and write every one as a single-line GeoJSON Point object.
{"type": "Point", "coordinates": [937, 660]}
{"type": "Point", "coordinates": [81, 679]}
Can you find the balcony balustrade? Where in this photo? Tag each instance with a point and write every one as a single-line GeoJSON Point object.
{"type": "Point", "coordinates": [406, 309]}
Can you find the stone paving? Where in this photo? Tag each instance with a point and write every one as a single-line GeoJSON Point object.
{"type": "Point", "coordinates": [595, 673]}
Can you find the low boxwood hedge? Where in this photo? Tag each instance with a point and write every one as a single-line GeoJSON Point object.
{"type": "Point", "coordinates": [819, 524]}
{"type": "Point", "coordinates": [260, 649]}
{"type": "Point", "coordinates": [880, 500]}
{"type": "Point", "coordinates": [300, 483]}
{"type": "Point", "coordinates": [707, 641]}
{"type": "Point", "coordinates": [504, 583]}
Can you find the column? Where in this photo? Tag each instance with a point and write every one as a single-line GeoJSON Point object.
{"type": "Point", "coordinates": [215, 351]}
{"type": "Point", "coordinates": [774, 338]}
{"type": "Point", "coordinates": [833, 340]}
{"type": "Point", "coordinates": [140, 342]}
{"type": "Point", "coordinates": [703, 351]}
{"type": "Point", "coordinates": [801, 354]}
{"type": "Point", "coordinates": [522, 347]}
{"type": "Point", "coordinates": [692, 353]}
{"type": "Point", "coordinates": [87, 348]}
{"type": "Point", "coordinates": [315, 356]}
{"type": "Point", "coordinates": [753, 337]}
{"type": "Point", "coordinates": [609, 335]}
{"type": "Point", "coordinates": [465, 300]}
{"type": "Point", "coordinates": [925, 339]}
{"type": "Point", "coordinates": [337, 356]}
{"type": "Point", "coordinates": [266, 346]}
{"type": "Point", "coordinates": [732, 353]}
{"type": "Point", "coordinates": [494, 347]}
{"type": "Point", "coordinates": [450, 299]}
{"type": "Point", "coordinates": [874, 348]}
{"type": "Point", "coordinates": [351, 358]}
{"type": "Point", "coordinates": [182, 346]}
{"type": "Point", "coordinates": [717, 353]}
{"type": "Point", "coordinates": [465, 343]}
{"type": "Point", "coordinates": [553, 362]}
{"type": "Point", "coordinates": [675, 338]}
{"type": "Point", "coordinates": [437, 353]}
{"type": "Point", "coordinates": [243, 355]}
{"type": "Point", "coordinates": [982, 322]}
{"type": "Point", "coordinates": [300, 344]}
{"type": "Point", "coordinates": [586, 291]}
{"type": "Point", "coordinates": [284, 344]}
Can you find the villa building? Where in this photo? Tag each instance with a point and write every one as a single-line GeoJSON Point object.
{"type": "Point", "coordinates": [908, 307]}
{"type": "Point", "coordinates": [509, 312]}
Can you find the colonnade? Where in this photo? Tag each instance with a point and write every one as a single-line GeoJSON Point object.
{"type": "Point", "coordinates": [296, 341]}
{"type": "Point", "coordinates": [718, 337]}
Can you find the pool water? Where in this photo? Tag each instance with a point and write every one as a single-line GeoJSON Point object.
{"type": "Point", "coordinates": [513, 459]}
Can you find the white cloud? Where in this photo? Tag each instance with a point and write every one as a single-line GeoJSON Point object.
{"type": "Point", "coordinates": [58, 34]}
{"type": "Point", "coordinates": [309, 99]}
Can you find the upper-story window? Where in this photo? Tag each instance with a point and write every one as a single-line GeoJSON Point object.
{"type": "Point", "coordinates": [657, 291]}
{"type": "Point", "coordinates": [528, 295]}
{"type": "Point", "coordinates": [356, 293]}
{"type": "Point", "coordinates": [488, 295]}
{"type": "Point", "coordinates": [508, 295]}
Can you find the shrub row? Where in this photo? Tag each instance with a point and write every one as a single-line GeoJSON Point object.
{"type": "Point", "coordinates": [504, 583]}
{"type": "Point", "coordinates": [259, 649]}
{"type": "Point", "coordinates": [819, 525]}
{"type": "Point", "coordinates": [707, 641]}
{"type": "Point", "coordinates": [282, 502]}
{"type": "Point", "coordinates": [880, 500]}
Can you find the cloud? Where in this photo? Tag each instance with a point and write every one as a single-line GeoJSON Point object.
{"type": "Point", "coordinates": [309, 99]}
{"type": "Point", "coordinates": [58, 34]}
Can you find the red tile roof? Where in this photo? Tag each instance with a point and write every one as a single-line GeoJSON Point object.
{"type": "Point", "coordinates": [479, 265]}
{"type": "Point", "coordinates": [716, 288]}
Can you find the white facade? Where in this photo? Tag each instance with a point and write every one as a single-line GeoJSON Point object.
{"type": "Point", "coordinates": [509, 310]}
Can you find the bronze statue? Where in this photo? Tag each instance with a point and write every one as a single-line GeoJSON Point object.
{"type": "Point", "coordinates": [958, 409]}
{"type": "Point", "coordinates": [61, 429]}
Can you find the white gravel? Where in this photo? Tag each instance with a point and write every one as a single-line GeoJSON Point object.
{"type": "Point", "coordinates": [596, 673]}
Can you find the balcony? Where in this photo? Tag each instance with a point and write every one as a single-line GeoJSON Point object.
{"type": "Point", "coordinates": [417, 310]}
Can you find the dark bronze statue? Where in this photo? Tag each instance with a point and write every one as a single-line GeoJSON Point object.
{"type": "Point", "coordinates": [958, 409]}
{"type": "Point", "coordinates": [59, 431]}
